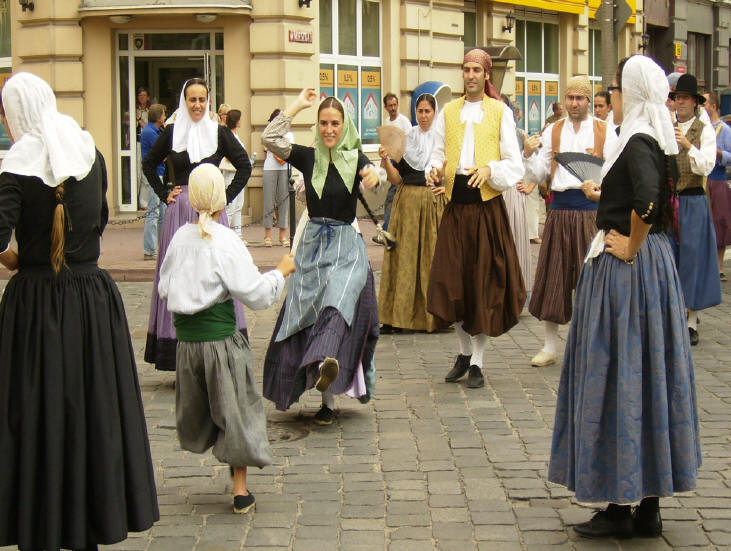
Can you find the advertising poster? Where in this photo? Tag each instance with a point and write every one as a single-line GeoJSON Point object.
{"type": "Point", "coordinates": [551, 98]}
{"type": "Point", "coordinates": [520, 101]}
{"type": "Point", "coordinates": [4, 139]}
{"type": "Point", "coordinates": [533, 107]}
{"type": "Point", "coordinates": [348, 90]}
{"type": "Point", "coordinates": [327, 81]}
{"type": "Point", "coordinates": [370, 78]}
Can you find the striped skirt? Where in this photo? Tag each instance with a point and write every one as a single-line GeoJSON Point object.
{"type": "Point", "coordinates": [516, 203]}
{"type": "Point", "coordinates": [719, 194]}
{"type": "Point", "coordinates": [626, 422]}
{"type": "Point", "coordinates": [566, 238]}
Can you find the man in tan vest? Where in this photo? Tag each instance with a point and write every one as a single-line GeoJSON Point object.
{"type": "Point", "coordinates": [475, 279]}
{"type": "Point", "coordinates": [571, 220]}
{"type": "Point", "coordinates": [697, 260]}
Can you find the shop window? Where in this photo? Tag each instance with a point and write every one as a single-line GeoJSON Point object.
{"type": "Point", "coordinates": [536, 74]}
{"type": "Point", "coordinates": [595, 59]}
{"type": "Point", "coordinates": [350, 60]}
{"type": "Point", "coordinates": [698, 54]}
{"type": "Point", "coordinates": [470, 25]}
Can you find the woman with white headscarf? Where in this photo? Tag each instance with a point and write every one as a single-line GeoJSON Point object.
{"type": "Point", "coordinates": [626, 428]}
{"type": "Point", "coordinates": [192, 140]}
{"type": "Point", "coordinates": [216, 401]}
{"type": "Point", "coordinates": [415, 217]}
{"type": "Point", "coordinates": [75, 460]}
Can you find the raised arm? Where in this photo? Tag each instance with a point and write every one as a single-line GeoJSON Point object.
{"type": "Point", "coordinates": [274, 137]}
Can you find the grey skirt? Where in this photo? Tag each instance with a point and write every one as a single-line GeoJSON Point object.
{"type": "Point", "coordinates": [217, 404]}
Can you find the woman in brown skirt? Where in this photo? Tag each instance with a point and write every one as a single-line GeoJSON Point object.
{"type": "Point", "coordinates": [415, 217]}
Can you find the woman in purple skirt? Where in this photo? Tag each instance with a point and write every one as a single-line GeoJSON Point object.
{"type": "Point", "coordinates": [192, 140]}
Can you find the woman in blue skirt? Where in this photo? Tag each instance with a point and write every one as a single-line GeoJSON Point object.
{"type": "Point", "coordinates": [626, 429]}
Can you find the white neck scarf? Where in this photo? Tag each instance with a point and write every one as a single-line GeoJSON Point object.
{"type": "Point", "coordinates": [48, 145]}
{"type": "Point", "coordinates": [644, 91]}
{"type": "Point", "coordinates": [419, 145]}
{"type": "Point", "coordinates": [199, 139]}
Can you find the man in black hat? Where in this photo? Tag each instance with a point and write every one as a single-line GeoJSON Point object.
{"type": "Point", "coordinates": [696, 249]}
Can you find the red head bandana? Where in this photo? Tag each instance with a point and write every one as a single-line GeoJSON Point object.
{"type": "Point", "coordinates": [483, 58]}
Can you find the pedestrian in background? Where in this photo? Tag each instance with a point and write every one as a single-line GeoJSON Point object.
{"type": "Point", "coordinates": [155, 208]}
{"type": "Point", "coordinates": [275, 192]}
{"type": "Point", "coordinates": [206, 266]}
{"type": "Point", "coordinates": [390, 102]}
{"type": "Point", "coordinates": [626, 427]}
{"type": "Point", "coordinates": [233, 209]}
{"type": "Point", "coordinates": [75, 463]}
{"type": "Point", "coordinates": [191, 140]}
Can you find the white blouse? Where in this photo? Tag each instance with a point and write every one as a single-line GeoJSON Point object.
{"type": "Point", "coordinates": [196, 274]}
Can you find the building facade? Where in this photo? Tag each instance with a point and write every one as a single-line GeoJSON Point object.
{"type": "Point", "coordinates": [258, 54]}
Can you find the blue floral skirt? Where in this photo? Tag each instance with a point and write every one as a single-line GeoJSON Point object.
{"type": "Point", "coordinates": [626, 418]}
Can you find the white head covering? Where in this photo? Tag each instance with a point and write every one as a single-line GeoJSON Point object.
{"type": "Point", "coordinates": [644, 91]}
{"type": "Point", "coordinates": [48, 144]}
{"type": "Point", "coordinates": [207, 194]}
{"type": "Point", "coordinates": [199, 139]}
{"type": "Point", "coordinates": [419, 143]}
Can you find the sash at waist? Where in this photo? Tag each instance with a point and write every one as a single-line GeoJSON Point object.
{"type": "Point", "coordinates": [572, 199]}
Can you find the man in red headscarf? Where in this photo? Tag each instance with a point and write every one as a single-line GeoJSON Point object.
{"type": "Point", "coordinates": [475, 280]}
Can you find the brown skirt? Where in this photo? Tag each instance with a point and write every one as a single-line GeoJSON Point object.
{"type": "Point", "coordinates": [414, 222]}
{"type": "Point", "coordinates": [566, 238]}
{"type": "Point", "coordinates": [475, 276]}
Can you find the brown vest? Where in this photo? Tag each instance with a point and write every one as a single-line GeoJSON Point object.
{"type": "Point", "coordinates": [600, 135]}
{"type": "Point", "coordinates": [687, 179]}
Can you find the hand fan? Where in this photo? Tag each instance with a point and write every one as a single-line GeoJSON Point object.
{"type": "Point", "coordinates": [393, 139]}
{"type": "Point", "coordinates": [581, 165]}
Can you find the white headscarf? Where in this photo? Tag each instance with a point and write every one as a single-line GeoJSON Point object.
{"type": "Point", "coordinates": [207, 195]}
{"type": "Point", "coordinates": [199, 139]}
{"type": "Point", "coordinates": [48, 144]}
{"type": "Point", "coordinates": [419, 143]}
{"type": "Point", "coordinates": [644, 91]}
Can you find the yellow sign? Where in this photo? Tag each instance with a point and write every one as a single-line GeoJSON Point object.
{"type": "Point", "coordinates": [534, 87]}
{"type": "Point", "coordinates": [347, 79]}
{"type": "Point", "coordinates": [371, 79]}
{"type": "Point", "coordinates": [519, 84]}
{"type": "Point", "coordinates": [678, 50]}
{"type": "Point", "coordinates": [551, 88]}
{"type": "Point", "coordinates": [326, 78]}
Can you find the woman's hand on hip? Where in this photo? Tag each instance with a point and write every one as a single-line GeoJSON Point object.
{"type": "Point", "coordinates": [177, 190]}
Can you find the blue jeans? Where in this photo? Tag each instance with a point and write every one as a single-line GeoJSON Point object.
{"type": "Point", "coordinates": [153, 220]}
{"type": "Point", "coordinates": [387, 206]}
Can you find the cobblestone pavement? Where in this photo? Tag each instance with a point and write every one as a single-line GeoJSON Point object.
{"type": "Point", "coordinates": [426, 465]}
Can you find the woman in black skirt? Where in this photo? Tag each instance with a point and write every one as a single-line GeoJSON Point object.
{"type": "Point", "coordinates": [75, 464]}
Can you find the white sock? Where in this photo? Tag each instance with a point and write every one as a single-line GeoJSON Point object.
{"type": "Point", "coordinates": [551, 337]}
{"type": "Point", "coordinates": [479, 342]}
{"type": "Point", "coordinates": [328, 399]}
{"type": "Point", "coordinates": [693, 319]}
{"type": "Point", "coordinates": [465, 343]}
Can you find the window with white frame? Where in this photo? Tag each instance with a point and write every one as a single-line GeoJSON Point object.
{"type": "Point", "coordinates": [470, 24]}
{"type": "Point", "coordinates": [536, 73]}
{"type": "Point", "coordinates": [5, 62]}
{"type": "Point", "coordinates": [698, 57]}
{"type": "Point", "coordinates": [595, 60]}
{"type": "Point", "coordinates": [350, 60]}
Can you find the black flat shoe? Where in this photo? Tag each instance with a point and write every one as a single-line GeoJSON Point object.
{"type": "Point", "coordinates": [693, 336]}
{"type": "Point", "coordinates": [475, 378]}
{"type": "Point", "coordinates": [460, 368]}
{"type": "Point", "coordinates": [325, 416]}
{"type": "Point", "coordinates": [602, 525]}
{"type": "Point", "coordinates": [243, 504]}
{"type": "Point", "coordinates": [386, 329]}
{"type": "Point", "coordinates": [647, 524]}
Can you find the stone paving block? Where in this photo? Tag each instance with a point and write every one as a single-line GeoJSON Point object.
{"type": "Point", "coordinates": [371, 538]}
{"type": "Point", "coordinates": [450, 514]}
{"type": "Point", "coordinates": [327, 533]}
{"type": "Point", "coordinates": [497, 533]}
{"type": "Point", "coordinates": [445, 531]}
{"type": "Point", "coordinates": [498, 546]}
{"type": "Point", "coordinates": [410, 545]}
{"type": "Point", "coordinates": [269, 537]}
{"type": "Point", "coordinates": [171, 544]}
{"type": "Point", "coordinates": [685, 536]}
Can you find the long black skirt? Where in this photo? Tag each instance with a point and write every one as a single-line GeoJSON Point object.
{"type": "Point", "coordinates": [75, 464]}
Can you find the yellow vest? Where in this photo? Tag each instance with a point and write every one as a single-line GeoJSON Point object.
{"type": "Point", "coordinates": [487, 141]}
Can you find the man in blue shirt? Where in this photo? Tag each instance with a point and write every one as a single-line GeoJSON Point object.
{"type": "Point", "coordinates": [155, 208]}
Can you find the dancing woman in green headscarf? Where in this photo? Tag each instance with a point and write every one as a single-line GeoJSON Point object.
{"type": "Point", "coordinates": [327, 330]}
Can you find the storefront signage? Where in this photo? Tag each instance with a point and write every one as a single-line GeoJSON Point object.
{"type": "Point", "coordinates": [371, 105]}
{"type": "Point", "coordinates": [520, 100]}
{"type": "Point", "coordinates": [681, 69]}
{"type": "Point", "coordinates": [302, 37]}
{"type": "Point", "coordinates": [348, 90]}
{"type": "Point", "coordinates": [327, 81]}
{"type": "Point", "coordinates": [534, 107]}
{"type": "Point", "coordinates": [679, 50]}
{"type": "Point", "coordinates": [551, 97]}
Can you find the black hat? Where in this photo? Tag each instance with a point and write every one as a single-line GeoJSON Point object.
{"type": "Point", "coordinates": [688, 84]}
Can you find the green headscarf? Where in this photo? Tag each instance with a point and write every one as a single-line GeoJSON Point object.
{"type": "Point", "coordinates": [344, 154]}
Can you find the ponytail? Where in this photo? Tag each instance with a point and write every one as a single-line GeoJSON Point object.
{"type": "Point", "coordinates": [58, 231]}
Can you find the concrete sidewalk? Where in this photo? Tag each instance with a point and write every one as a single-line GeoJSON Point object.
{"type": "Point", "coordinates": [121, 250]}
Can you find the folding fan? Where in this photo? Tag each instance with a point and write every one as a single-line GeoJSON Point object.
{"type": "Point", "coordinates": [393, 139]}
{"type": "Point", "coordinates": [581, 165]}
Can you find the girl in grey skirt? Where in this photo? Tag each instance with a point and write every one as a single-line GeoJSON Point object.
{"type": "Point", "coordinates": [206, 266]}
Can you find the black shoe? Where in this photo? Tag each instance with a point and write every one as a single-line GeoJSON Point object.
{"type": "Point", "coordinates": [460, 368]}
{"type": "Point", "coordinates": [325, 416]}
{"type": "Point", "coordinates": [602, 525]}
{"type": "Point", "coordinates": [647, 523]}
{"type": "Point", "coordinates": [243, 504]}
{"type": "Point", "coordinates": [386, 329]}
{"type": "Point", "coordinates": [693, 336]}
{"type": "Point", "coordinates": [475, 378]}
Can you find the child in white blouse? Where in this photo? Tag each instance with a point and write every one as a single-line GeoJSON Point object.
{"type": "Point", "coordinates": [205, 267]}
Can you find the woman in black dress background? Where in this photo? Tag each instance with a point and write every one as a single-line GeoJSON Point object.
{"type": "Point", "coordinates": [192, 140]}
{"type": "Point", "coordinates": [75, 464]}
